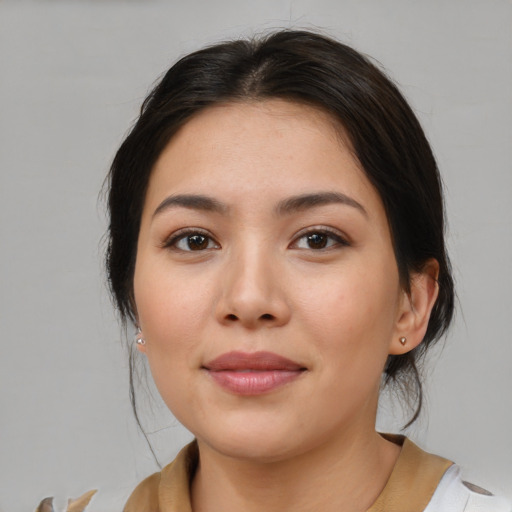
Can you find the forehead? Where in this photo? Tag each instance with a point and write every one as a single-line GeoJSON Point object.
{"type": "Point", "coordinates": [264, 117]}
{"type": "Point", "coordinates": [259, 149]}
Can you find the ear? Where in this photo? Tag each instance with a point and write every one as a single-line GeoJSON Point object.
{"type": "Point", "coordinates": [415, 308]}
{"type": "Point", "coordinates": [138, 339]}
{"type": "Point", "coordinates": [141, 348]}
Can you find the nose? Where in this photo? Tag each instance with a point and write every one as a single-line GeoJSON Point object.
{"type": "Point", "coordinates": [252, 295]}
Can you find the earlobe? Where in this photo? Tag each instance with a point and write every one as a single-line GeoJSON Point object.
{"type": "Point", "coordinates": [140, 342]}
{"type": "Point", "coordinates": [415, 308]}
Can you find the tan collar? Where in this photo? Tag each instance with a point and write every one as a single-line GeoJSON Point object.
{"type": "Point", "coordinates": [413, 480]}
{"type": "Point", "coordinates": [409, 489]}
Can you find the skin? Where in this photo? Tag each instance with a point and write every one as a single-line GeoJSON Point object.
{"type": "Point", "coordinates": [255, 282]}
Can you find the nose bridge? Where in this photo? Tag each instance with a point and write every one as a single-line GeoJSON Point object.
{"type": "Point", "coordinates": [252, 271]}
{"type": "Point", "coordinates": [251, 291]}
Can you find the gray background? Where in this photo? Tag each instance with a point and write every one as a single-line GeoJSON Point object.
{"type": "Point", "coordinates": [72, 76]}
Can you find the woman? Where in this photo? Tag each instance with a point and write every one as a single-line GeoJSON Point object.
{"type": "Point", "coordinates": [276, 236]}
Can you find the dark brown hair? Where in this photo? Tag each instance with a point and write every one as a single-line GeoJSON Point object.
{"type": "Point", "coordinates": [306, 67]}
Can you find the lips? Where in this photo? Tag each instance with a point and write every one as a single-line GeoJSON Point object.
{"type": "Point", "coordinates": [252, 373]}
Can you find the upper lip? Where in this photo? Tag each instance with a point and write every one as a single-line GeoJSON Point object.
{"type": "Point", "coordinates": [259, 361]}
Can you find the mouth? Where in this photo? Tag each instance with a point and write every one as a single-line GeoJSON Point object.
{"type": "Point", "coordinates": [252, 374]}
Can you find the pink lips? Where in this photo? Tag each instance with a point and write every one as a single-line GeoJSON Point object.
{"type": "Point", "coordinates": [252, 373]}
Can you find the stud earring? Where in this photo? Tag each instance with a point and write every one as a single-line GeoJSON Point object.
{"type": "Point", "coordinates": [139, 340]}
{"type": "Point", "coordinates": [403, 340]}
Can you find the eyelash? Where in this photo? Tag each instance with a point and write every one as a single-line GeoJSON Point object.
{"type": "Point", "coordinates": [336, 238]}
{"type": "Point", "coordinates": [329, 235]}
{"type": "Point", "coordinates": [184, 234]}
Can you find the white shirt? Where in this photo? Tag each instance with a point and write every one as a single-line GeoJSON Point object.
{"type": "Point", "coordinates": [455, 495]}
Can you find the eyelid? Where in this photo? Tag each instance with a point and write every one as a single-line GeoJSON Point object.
{"type": "Point", "coordinates": [170, 241]}
{"type": "Point", "coordinates": [341, 239]}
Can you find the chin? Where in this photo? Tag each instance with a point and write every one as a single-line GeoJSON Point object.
{"type": "Point", "coordinates": [254, 441]}
{"type": "Point", "coordinates": [257, 451]}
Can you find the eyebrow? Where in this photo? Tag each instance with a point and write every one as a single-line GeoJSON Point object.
{"type": "Point", "coordinates": [306, 201]}
{"type": "Point", "coordinates": [285, 207]}
{"type": "Point", "coordinates": [191, 201]}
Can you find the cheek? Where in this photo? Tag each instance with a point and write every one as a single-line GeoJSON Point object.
{"type": "Point", "coordinates": [352, 316]}
{"type": "Point", "coordinates": [171, 311]}
{"type": "Point", "coordinates": [171, 308]}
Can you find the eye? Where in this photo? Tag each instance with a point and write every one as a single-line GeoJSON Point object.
{"type": "Point", "coordinates": [319, 239]}
{"type": "Point", "coordinates": [191, 241]}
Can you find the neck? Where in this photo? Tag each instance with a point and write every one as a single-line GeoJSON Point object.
{"type": "Point", "coordinates": [346, 474]}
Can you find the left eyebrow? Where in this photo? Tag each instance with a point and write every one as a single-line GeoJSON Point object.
{"type": "Point", "coordinates": [307, 201]}
{"type": "Point", "coordinates": [192, 202]}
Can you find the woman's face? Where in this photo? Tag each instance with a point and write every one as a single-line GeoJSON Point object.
{"type": "Point", "coordinates": [266, 284]}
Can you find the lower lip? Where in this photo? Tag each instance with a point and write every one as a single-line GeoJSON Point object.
{"type": "Point", "coordinates": [253, 383]}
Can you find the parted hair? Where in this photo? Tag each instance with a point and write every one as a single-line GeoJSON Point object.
{"type": "Point", "coordinates": [383, 131]}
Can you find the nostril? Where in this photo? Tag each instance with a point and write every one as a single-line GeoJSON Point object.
{"type": "Point", "coordinates": [267, 316]}
{"type": "Point", "coordinates": [231, 317]}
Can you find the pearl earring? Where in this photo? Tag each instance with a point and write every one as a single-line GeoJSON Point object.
{"type": "Point", "coordinates": [139, 340]}
{"type": "Point", "coordinates": [403, 340]}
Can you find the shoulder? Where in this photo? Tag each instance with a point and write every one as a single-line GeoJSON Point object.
{"type": "Point", "coordinates": [145, 496]}
{"type": "Point", "coordinates": [453, 494]}
{"type": "Point", "coordinates": [169, 489]}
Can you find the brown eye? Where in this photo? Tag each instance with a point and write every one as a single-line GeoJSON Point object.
{"type": "Point", "coordinates": [317, 240]}
{"type": "Point", "coordinates": [197, 242]}
{"type": "Point", "coordinates": [192, 241]}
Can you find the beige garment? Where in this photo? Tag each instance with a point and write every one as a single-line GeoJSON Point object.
{"type": "Point", "coordinates": [410, 487]}
{"type": "Point", "coordinates": [78, 505]}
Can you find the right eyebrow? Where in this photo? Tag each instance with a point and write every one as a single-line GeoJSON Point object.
{"type": "Point", "coordinates": [191, 201]}
{"type": "Point", "coordinates": [306, 201]}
